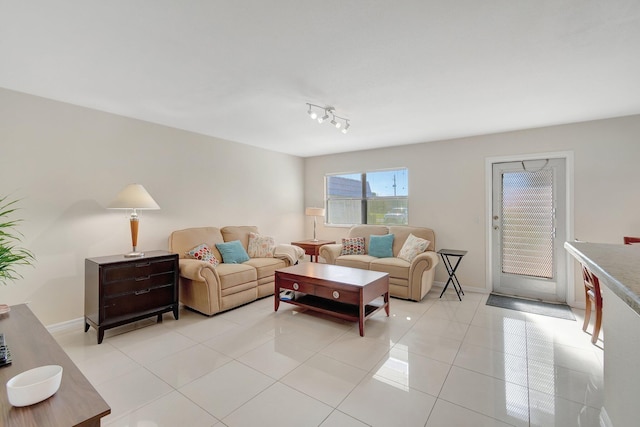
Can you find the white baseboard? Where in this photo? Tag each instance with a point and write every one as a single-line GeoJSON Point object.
{"type": "Point", "coordinates": [67, 326]}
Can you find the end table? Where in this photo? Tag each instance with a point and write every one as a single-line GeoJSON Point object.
{"type": "Point", "coordinates": [312, 247]}
{"type": "Point", "coordinates": [451, 269]}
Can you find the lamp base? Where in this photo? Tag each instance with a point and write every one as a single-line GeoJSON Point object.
{"type": "Point", "coordinates": [134, 254]}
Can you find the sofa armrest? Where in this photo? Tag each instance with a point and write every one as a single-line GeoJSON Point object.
{"type": "Point", "coordinates": [330, 252]}
{"type": "Point", "coordinates": [421, 274]}
{"type": "Point", "coordinates": [425, 261]}
{"type": "Point", "coordinates": [199, 271]}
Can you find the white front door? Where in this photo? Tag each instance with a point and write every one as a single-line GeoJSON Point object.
{"type": "Point", "coordinates": [528, 229]}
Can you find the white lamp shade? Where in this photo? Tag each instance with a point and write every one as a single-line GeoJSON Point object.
{"type": "Point", "coordinates": [133, 196]}
{"type": "Point", "coordinates": [314, 211]}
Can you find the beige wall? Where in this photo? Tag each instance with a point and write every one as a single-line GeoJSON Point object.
{"type": "Point", "coordinates": [67, 163]}
{"type": "Point", "coordinates": [447, 185]}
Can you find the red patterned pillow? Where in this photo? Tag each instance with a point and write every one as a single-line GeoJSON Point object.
{"type": "Point", "coordinates": [203, 253]}
{"type": "Point", "coordinates": [353, 246]}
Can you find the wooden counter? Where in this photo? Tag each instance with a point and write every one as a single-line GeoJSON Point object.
{"type": "Point", "coordinates": [76, 403]}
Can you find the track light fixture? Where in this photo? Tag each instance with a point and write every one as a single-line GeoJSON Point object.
{"type": "Point", "coordinates": [326, 114]}
{"type": "Point", "coordinates": [337, 121]}
{"type": "Point", "coordinates": [312, 113]}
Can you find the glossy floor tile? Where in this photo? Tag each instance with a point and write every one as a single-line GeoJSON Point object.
{"type": "Point", "coordinates": [438, 362]}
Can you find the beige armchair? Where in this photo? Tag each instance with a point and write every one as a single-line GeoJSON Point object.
{"type": "Point", "coordinates": [407, 280]}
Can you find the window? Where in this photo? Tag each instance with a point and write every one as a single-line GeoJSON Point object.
{"type": "Point", "coordinates": [378, 197]}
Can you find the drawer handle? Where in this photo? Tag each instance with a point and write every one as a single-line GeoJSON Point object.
{"type": "Point", "coordinates": [336, 294]}
{"type": "Point", "coordinates": [142, 292]}
{"type": "Point", "coordinates": [143, 264]}
{"type": "Point", "coordinates": [140, 279]}
{"type": "Point", "coordinates": [296, 286]}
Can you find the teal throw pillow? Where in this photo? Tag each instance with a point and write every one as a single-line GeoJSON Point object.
{"type": "Point", "coordinates": [232, 252]}
{"type": "Point", "coordinates": [381, 246]}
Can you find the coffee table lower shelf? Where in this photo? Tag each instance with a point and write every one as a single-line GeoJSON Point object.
{"type": "Point", "coordinates": [336, 309]}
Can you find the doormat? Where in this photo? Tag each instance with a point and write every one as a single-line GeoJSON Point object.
{"type": "Point", "coordinates": [561, 311]}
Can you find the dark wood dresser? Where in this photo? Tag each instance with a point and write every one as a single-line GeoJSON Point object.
{"type": "Point", "coordinates": [120, 290]}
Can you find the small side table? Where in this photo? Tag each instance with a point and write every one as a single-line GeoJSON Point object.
{"type": "Point", "coordinates": [312, 247]}
{"type": "Point", "coordinates": [451, 269]}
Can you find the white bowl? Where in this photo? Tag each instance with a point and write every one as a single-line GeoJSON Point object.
{"type": "Point", "coordinates": [34, 385]}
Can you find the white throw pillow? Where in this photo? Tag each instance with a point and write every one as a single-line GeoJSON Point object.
{"type": "Point", "coordinates": [412, 247]}
{"type": "Point", "coordinates": [261, 246]}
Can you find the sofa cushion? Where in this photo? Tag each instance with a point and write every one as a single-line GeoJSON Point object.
{"type": "Point", "coordinates": [238, 232]}
{"type": "Point", "coordinates": [261, 246]}
{"type": "Point", "coordinates": [266, 267]}
{"type": "Point", "coordinates": [412, 247]}
{"type": "Point", "coordinates": [381, 246]}
{"type": "Point", "coordinates": [202, 252]}
{"type": "Point", "coordinates": [232, 252]}
{"type": "Point", "coordinates": [181, 241]}
{"type": "Point", "coordinates": [232, 275]}
{"type": "Point", "coordinates": [402, 232]}
{"type": "Point", "coordinates": [355, 261]}
{"type": "Point", "coordinates": [366, 231]}
{"type": "Point", "coordinates": [353, 246]}
{"type": "Point", "coordinates": [396, 267]}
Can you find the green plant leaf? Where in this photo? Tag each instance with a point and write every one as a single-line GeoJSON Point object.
{"type": "Point", "coordinates": [10, 254]}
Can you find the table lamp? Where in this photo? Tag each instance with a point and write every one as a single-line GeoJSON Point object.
{"type": "Point", "coordinates": [134, 196]}
{"type": "Point", "coordinates": [314, 212]}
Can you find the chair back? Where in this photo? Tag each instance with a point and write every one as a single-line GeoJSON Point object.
{"type": "Point", "coordinates": [591, 282]}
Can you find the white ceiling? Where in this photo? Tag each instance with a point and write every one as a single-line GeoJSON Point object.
{"type": "Point", "coordinates": [403, 71]}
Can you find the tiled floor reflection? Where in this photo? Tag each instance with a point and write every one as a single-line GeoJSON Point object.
{"type": "Point", "coordinates": [439, 362]}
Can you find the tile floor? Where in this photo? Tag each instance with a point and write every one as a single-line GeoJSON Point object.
{"type": "Point", "coordinates": [439, 362]}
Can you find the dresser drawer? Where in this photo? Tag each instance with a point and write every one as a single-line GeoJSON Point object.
{"type": "Point", "coordinates": [136, 270]}
{"type": "Point", "coordinates": [296, 286]}
{"type": "Point", "coordinates": [137, 302]}
{"type": "Point", "coordinates": [337, 295]}
{"type": "Point", "coordinates": [137, 284]}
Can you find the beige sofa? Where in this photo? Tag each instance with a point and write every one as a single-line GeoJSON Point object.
{"type": "Point", "coordinates": [407, 280]}
{"type": "Point", "coordinates": [210, 289]}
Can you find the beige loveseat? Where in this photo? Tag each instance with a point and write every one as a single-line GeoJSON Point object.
{"type": "Point", "coordinates": [210, 289]}
{"type": "Point", "coordinates": [407, 280]}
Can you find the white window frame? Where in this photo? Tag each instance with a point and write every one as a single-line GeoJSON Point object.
{"type": "Point", "coordinates": [365, 199]}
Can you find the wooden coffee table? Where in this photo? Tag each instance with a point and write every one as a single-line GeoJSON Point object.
{"type": "Point", "coordinates": [343, 292]}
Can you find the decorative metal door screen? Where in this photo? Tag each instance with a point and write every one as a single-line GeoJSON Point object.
{"type": "Point", "coordinates": [528, 223]}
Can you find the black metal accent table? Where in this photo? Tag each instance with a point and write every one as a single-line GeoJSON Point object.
{"type": "Point", "coordinates": [451, 269]}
